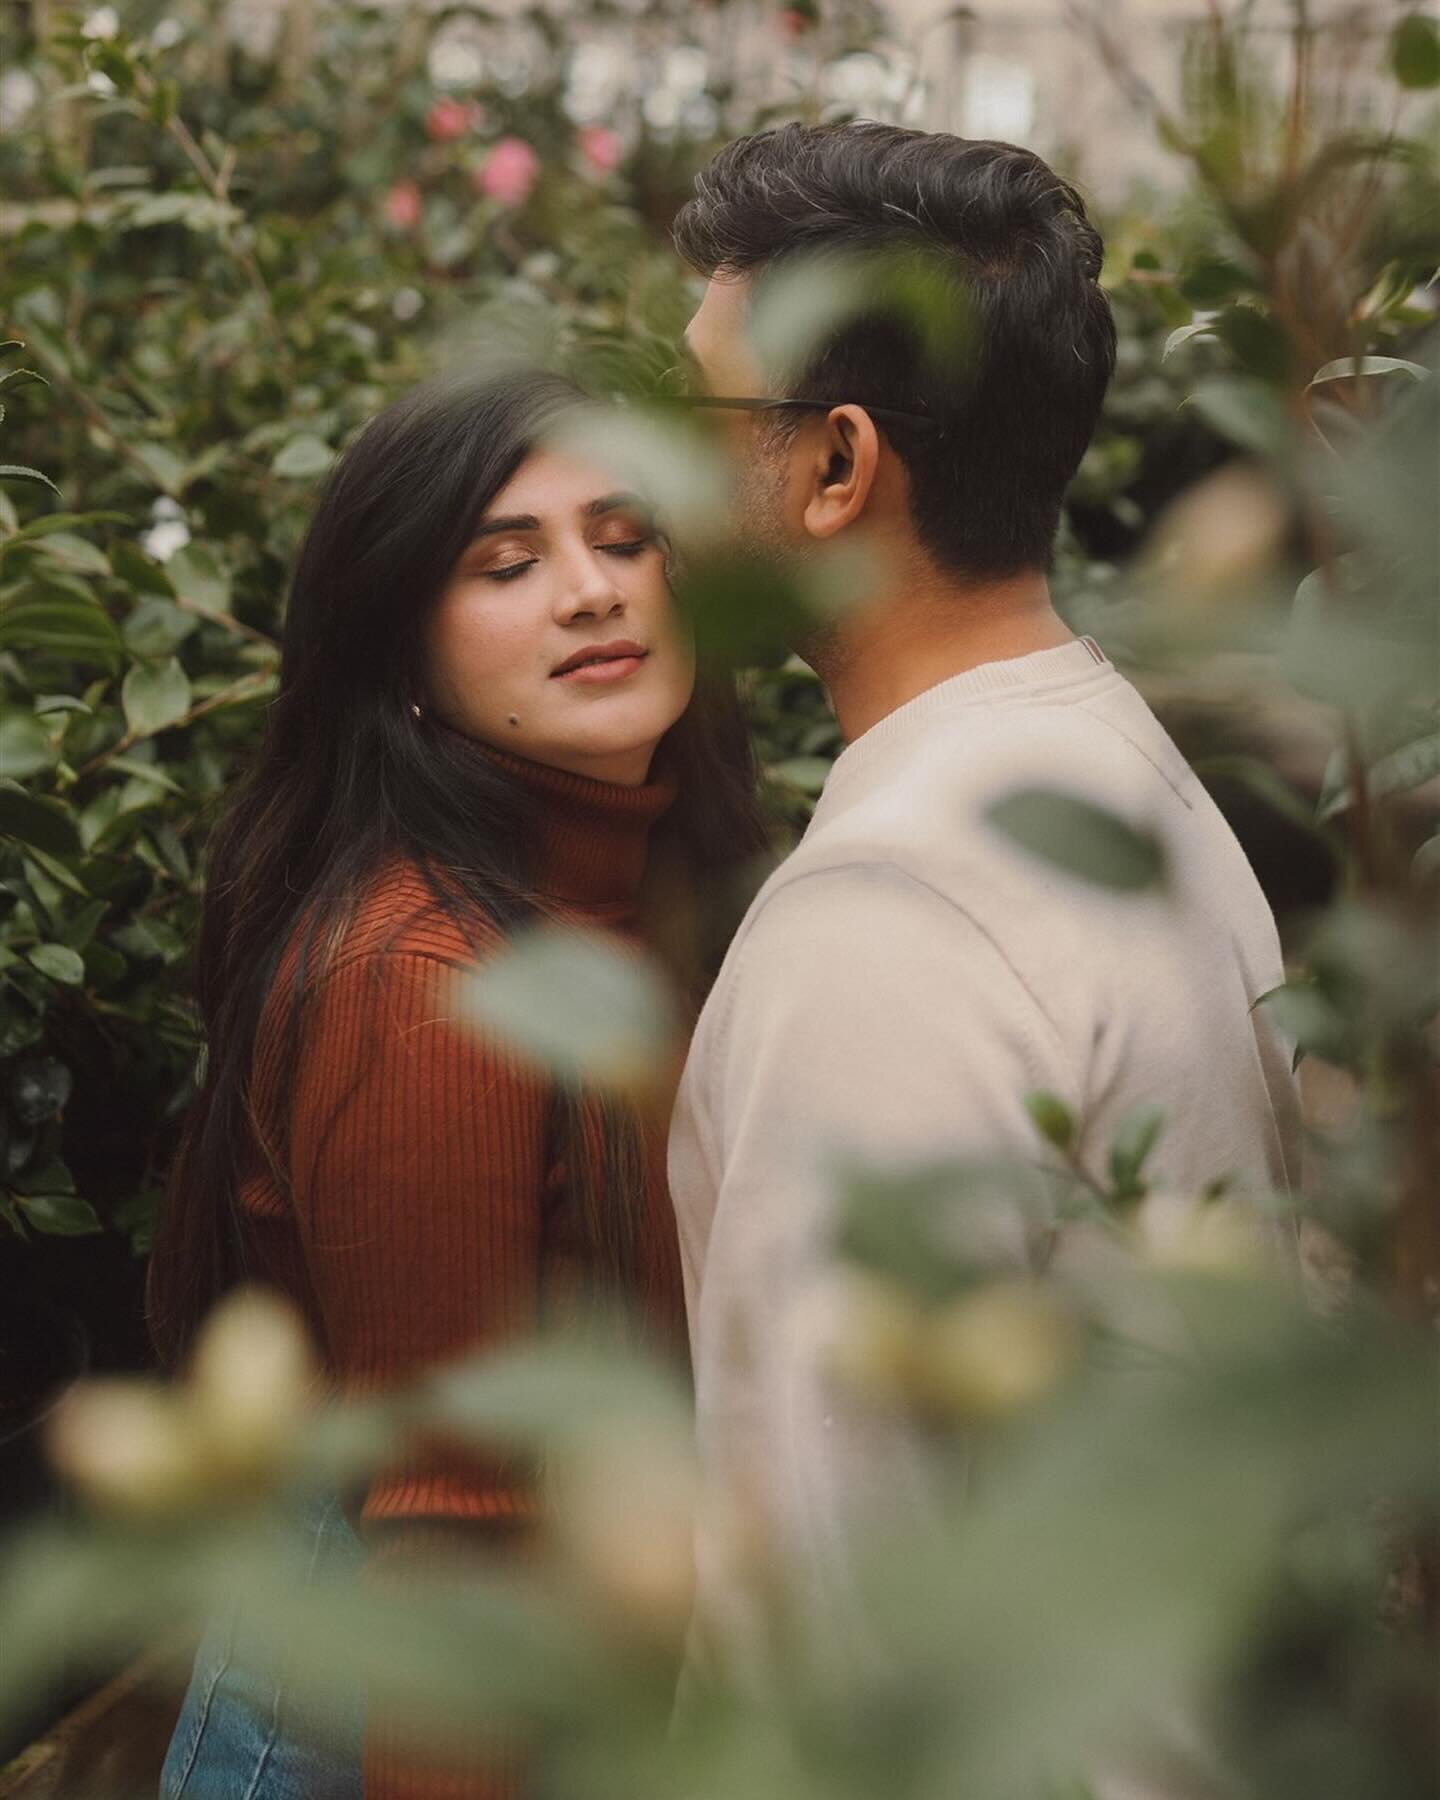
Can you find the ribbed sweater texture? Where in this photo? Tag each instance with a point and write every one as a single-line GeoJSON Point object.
{"type": "Point", "coordinates": [425, 1211]}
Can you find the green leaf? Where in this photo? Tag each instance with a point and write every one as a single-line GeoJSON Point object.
{"type": "Point", "coordinates": [1346, 366]}
{"type": "Point", "coordinates": [1409, 767]}
{"type": "Point", "coordinates": [25, 747]}
{"type": "Point", "coordinates": [1259, 345]}
{"type": "Point", "coordinates": [22, 378]}
{"type": "Point", "coordinates": [60, 521]}
{"type": "Point", "coordinates": [139, 571]}
{"type": "Point", "coordinates": [59, 962]}
{"type": "Point", "coordinates": [155, 697]}
{"type": "Point", "coordinates": [76, 629]}
{"type": "Point", "coordinates": [1183, 334]}
{"type": "Point", "coordinates": [302, 458]}
{"type": "Point", "coordinates": [1051, 1117]}
{"type": "Point", "coordinates": [1245, 410]}
{"type": "Point", "coordinates": [62, 1215]}
{"type": "Point", "coordinates": [42, 823]}
{"type": "Point", "coordinates": [46, 704]}
{"type": "Point", "coordinates": [1214, 281]}
{"type": "Point", "coordinates": [1134, 1139]}
{"type": "Point", "coordinates": [76, 552]}
{"type": "Point", "coordinates": [18, 472]}
{"type": "Point", "coordinates": [157, 628]}
{"type": "Point", "coordinates": [167, 469]}
{"type": "Point", "coordinates": [808, 773]}
{"type": "Point", "coordinates": [1081, 838]}
{"type": "Point", "coordinates": [196, 573]}
{"type": "Point", "coordinates": [1415, 51]}
{"type": "Point", "coordinates": [576, 1005]}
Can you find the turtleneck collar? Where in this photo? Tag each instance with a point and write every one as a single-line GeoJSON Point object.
{"type": "Point", "coordinates": [594, 836]}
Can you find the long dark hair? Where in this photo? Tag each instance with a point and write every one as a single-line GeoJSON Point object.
{"type": "Point", "coordinates": [344, 783]}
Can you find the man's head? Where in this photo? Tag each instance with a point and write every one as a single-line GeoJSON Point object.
{"type": "Point", "coordinates": [1000, 423]}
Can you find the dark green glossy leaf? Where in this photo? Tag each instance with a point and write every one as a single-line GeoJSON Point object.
{"type": "Point", "coordinates": [58, 962]}
{"type": "Point", "coordinates": [44, 823]}
{"type": "Point", "coordinates": [62, 1215]}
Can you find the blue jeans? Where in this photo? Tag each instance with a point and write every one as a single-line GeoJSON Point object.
{"type": "Point", "coordinates": [240, 1736]}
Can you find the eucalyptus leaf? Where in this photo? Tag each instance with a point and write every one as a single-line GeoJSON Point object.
{"type": "Point", "coordinates": [575, 1004]}
{"type": "Point", "coordinates": [1083, 839]}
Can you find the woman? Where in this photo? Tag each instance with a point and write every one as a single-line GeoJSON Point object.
{"type": "Point", "coordinates": [487, 713]}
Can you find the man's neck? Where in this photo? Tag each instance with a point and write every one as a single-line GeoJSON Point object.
{"type": "Point", "coordinates": [899, 646]}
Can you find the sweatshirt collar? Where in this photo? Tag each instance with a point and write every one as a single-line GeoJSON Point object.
{"type": "Point", "coordinates": [1039, 672]}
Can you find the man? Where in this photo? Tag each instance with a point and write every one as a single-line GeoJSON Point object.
{"type": "Point", "coordinates": [909, 974]}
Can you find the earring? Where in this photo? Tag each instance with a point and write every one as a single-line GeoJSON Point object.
{"type": "Point", "coordinates": [415, 708]}
{"type": "Point", "coordinates": [514, 718]}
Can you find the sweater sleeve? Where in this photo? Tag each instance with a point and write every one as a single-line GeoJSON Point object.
{"type": "Point", "coordinates": [418, 1160]}
{"type": "Point", "coordinates": [864, 1019]}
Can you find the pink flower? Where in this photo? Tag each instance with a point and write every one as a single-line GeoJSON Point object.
{"type": "Point", "coordinates": [509, 172]}
{"type": "Point", "coordinates": [795, 22]}
{"type": "Point", "coordinates": [600, 147]}
{"type": "Point", "coordinates": [402, 206]}
{"type": "Point", "coordinates": [450, 119]}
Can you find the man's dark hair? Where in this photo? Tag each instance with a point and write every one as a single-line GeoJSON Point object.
{"type": "Point", "coordinates": [1018, 406]}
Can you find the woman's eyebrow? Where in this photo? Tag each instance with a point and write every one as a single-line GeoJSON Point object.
{"type": "Point", "coordinates": [528, 522]}
{"type": "Point", "coordinates": [510, 522]}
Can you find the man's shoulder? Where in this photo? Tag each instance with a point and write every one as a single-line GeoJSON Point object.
{"type": "Point", "coordinates": [923, 806]}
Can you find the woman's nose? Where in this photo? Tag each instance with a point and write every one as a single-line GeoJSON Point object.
{"type": "Point", "coordinates": [588, 589]}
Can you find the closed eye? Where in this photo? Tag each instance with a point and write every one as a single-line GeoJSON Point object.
{"type": "Point", "coordinates": [632, 547]}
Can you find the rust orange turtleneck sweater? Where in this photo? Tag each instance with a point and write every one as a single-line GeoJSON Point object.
{"type": "Point", "coordinates": [427, 1213]}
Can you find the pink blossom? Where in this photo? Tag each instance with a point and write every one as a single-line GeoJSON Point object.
{"type": "Point", "coordinates": [601, 147]}
{"type": "Point", "coordinates": [402, 206]}
{"type": "Point", "coordinates": [509, 172]}
{"type": "Point", "coordinates": [450, 119]}
{"type": "Point", "coordinates": [794, 22]}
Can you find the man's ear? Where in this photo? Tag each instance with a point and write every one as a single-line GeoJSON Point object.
{"type": "Point", "coordinates": [846, 459]}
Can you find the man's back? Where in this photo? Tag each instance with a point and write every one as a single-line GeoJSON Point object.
{"type": "Point", "coordinates": [900, 985]}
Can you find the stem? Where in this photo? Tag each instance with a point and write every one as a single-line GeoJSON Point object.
{"type": "Point", "coordinates": [227, 622]}
{"type": "Point", "coordinates": [226, 697]}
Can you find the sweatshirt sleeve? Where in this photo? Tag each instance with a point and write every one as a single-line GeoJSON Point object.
{"type": "Point", "coordinates": [418, 1160]}
{"type": "Point", "coordinates": [863, 1018]}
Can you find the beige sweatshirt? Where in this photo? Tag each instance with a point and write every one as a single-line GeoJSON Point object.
{"type": "Point", "coordinates": [898, 986]}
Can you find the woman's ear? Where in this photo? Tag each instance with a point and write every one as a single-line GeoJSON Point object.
{"type": "Point", "coordinates": [847, 458]}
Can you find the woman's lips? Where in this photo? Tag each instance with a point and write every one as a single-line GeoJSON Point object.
{"type": "Point", "coordinates": [612, 668]}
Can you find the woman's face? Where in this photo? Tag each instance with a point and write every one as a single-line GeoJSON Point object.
{"type": "Point", "coordinates": [555, 636]}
